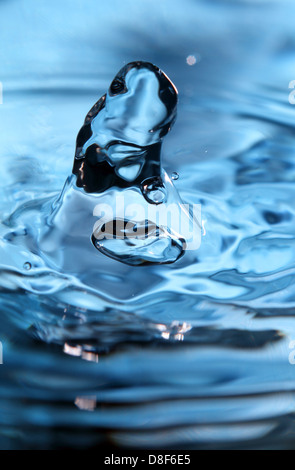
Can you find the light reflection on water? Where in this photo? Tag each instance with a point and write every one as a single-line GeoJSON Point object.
{"type": "Point", "coordinates": [191, 355]}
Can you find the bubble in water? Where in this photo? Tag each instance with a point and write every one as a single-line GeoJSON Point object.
{"type": "Point", "coordinates": [27, 266]}
{"type": "Point", "coordinates": [154, 190]}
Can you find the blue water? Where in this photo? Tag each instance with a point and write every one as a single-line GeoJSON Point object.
{"type": "Point", "coordinates": [194, 354]}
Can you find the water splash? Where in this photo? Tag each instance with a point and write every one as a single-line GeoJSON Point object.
{"type": "Point", "coordinates": [120, 141]}
{"type": "Point", "coordinates": [118, 155]}
{"type": "Point", "coordinates": [198, 350]}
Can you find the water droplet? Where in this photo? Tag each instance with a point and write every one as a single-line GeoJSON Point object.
{"type": "Point", "coordinates": [193, 59]}
{"type": "Point", "coordinates": [174, 176]}
{"type": "Point", "coordinates": [27, 266]}
{"type": "Point", "coordinates": [154, 190]}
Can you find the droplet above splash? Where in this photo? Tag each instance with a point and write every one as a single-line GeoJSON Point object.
{"type": "Point", "coordinates": [175, 176]}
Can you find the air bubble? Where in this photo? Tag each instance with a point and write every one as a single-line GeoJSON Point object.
{"type": "Point", "coordinates": [154, 191]}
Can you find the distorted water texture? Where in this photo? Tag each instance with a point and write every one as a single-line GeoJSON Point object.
{"type": "Point", "coordinates": [192, 354]}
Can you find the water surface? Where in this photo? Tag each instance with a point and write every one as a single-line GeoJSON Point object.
{"type": "Point", "coordinates": [194, 354]}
